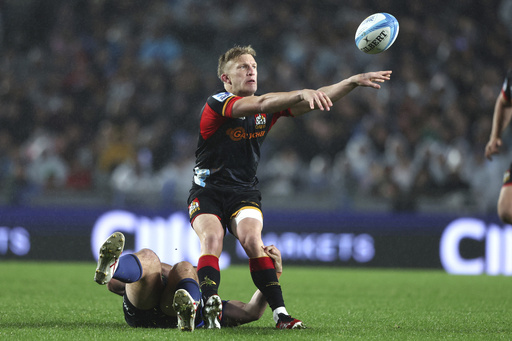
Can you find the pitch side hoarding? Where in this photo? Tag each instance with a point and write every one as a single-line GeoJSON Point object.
{"type": "Point", "coordinates": [458, 244]}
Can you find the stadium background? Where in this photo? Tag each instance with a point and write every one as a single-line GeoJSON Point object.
{"type": "Point", "coordinates": [98, 115]}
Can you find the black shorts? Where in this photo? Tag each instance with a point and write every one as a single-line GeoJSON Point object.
{"type": "Point", "coordinates": [152, 318]}
{"type": "Point", "coordinates": [224, 203]}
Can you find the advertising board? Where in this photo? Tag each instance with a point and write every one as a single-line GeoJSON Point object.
{"type": "Point", "coordinates": [457, 244]}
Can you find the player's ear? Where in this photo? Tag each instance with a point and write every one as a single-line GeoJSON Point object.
{"type": "Point", "coordinates": [225, 78]}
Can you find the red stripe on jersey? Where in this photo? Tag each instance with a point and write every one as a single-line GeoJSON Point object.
{"type": "Point", "coordinates": [210, 122]}
{"type": "Point", "coordinates": [208, 260]}
{"type": "Point", "coordinates": [504, 93]}
{"type": "Point", "coordinates": [284, 113]}
{"type": "Point", "coordinates": [261, 263]}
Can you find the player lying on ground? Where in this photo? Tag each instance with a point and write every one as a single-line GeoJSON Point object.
{"type": "Point", "coordinates": [158, 295]}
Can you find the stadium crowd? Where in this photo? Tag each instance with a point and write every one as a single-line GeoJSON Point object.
{"type": "Point", "coordinates": [103, 97]}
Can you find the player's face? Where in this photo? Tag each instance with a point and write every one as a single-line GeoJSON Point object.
{"type": "Point", "coordinates": [242, 75]}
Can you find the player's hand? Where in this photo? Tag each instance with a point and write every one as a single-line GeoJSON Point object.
{"type": "Point", "coordinates": [274, 253]}
{"type": "Point", "coordinates": [371, 79]}
{"type": "Point", "coordinates": [492, 147]}
{"type": "Point", "coordinates": [316, 99]}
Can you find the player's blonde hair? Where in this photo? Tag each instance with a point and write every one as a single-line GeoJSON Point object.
{"type": "Point", "coordinates": [231, 54]}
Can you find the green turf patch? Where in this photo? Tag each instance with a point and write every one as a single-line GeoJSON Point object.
{"type": "Point", "coordinates": [60, 301]}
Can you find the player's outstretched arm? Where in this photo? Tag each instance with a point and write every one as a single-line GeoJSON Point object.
{"type": "Point", "coordinates": [501, 119]}
{"type": "Point", "coordinates": [339, 90]}
{"type": "Point", "coordinates": [277, 101]}
{"type": "Point", "coordinates": [237, 312]}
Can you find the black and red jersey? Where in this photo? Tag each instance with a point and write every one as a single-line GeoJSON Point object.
{"type": "Point", "coordinates": [507, 87]}
{"type": "Point", "coordinates": [228, 150]}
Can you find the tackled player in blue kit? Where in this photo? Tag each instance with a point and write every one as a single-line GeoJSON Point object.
{"type": "Point", "coordinates": [160, 295]}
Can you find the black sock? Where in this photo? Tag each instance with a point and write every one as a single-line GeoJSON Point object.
{"type": "Point", "coordinates": [264, 276]}
{"type": "Point", "coordinates": [209, 275]}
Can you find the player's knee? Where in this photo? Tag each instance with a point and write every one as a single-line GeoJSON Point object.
{"type": "Point", "coordinates": [505, 211]}
{"type": "Point", "coordinates": [251, 244]}
{"type": "Point", "coordinates": [183, 270]}
{"type": "Point", "coordinates": [505, 215]}
{"type": "Point", "coordinates": [505, 205]}
{"type": "Point", "coordinates": [250, 241]}
{"type": "Point", "coordinates": [184, 266]}
{"type": "Point", "coordinates": [214, 243]}
{"type": "Point", "coordinates": [148, 259]}
{"type": "Point", "coordinates": [146, 253]}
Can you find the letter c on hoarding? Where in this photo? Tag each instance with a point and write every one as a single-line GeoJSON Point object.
{"type": "Point", "coordinates": [449, 250]}
{"type": "Point", "coordinates": [172, 239]}
{"type": "Point", "coordinates": [109, 223]}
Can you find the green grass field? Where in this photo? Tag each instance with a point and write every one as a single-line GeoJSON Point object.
{"type": "Point", "coordinates": [60, 301]}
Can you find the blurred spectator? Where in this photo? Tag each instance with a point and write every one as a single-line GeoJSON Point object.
{"type": "Point", "coordinates": [283, 174]}
{"type": "Point", "coordinates": [133, 181]}
{"type": "Point", "coordinates": [87, 88]}
{"type": "Point", "coordinates": [48, 171]}
{"type": "Point", "coordinates": [116, 145]}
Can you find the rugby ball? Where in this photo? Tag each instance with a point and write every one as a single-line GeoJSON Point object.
{"type": "Point", "coordinates": [377, 33]}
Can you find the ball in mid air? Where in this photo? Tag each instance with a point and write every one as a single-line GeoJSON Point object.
{"type": "Point", "coordinates": [377, 33]}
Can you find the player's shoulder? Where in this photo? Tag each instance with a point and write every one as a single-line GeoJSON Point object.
{"type": "Point", "coordinates": [221, 96]}
{"type": "Point", "coordinates": [220, 102]}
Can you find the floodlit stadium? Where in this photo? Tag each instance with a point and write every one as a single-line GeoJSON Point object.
{"type": "Point", "coordinates": [384, 208]}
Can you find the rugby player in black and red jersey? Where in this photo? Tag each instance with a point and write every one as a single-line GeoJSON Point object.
{"type": "Point", "coordinates": [501, 120]}
{"type": "Point", "coordinates": [224, 194]}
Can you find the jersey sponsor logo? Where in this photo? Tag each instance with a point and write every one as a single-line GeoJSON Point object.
{"type": "Point", "coordinates": [261, 121]}
{"type": "Point", "coordinates": [221, 96]}
{"type": "Point", "coordinates": [239, 133]}
{"type": "Point", "coordinates": [193, 207]}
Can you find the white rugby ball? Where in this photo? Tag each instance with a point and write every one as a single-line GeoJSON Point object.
{"type": "Point", "coordinates": [377, 33]}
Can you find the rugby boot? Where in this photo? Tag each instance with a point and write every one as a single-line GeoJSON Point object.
{"type": "Point", "coordinates": [186, 308]}
{"type": "Point", "coordinates": [288, 322]}
{"type": "Point", "coordinates": [212, 312]}
{"type": "Point", "coordinates": [108, 258]}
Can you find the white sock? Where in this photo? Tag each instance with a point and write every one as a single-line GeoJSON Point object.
{"type": "Point", "coordinates": [277, 311]}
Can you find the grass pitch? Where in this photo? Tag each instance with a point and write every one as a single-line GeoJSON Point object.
{"type": "Point", "coordinates": [60, 301]}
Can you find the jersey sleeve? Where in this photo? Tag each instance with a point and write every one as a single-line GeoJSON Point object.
{"type": "Point", "coordinates": [222, 103]}
{"type": "Point", "coordinates": [507, 87]}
